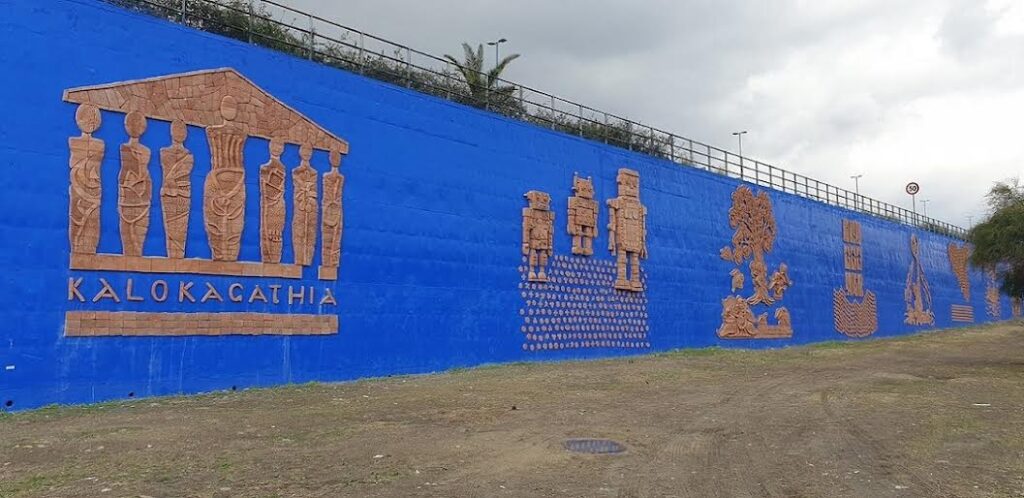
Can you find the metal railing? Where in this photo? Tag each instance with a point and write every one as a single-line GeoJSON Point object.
{"type": "Point", "coordinates": [267, 23]}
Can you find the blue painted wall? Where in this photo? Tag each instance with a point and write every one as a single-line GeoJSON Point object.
{"type": "Point", "coordinates": [429, 276]}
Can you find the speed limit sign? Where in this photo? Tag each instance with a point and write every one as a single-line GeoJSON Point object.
{"type": "Point", "coordinates": [913, 188]}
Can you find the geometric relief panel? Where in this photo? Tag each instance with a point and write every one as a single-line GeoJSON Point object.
{"type": "Point", "coordinates": [855, 309]}
{"type": "Point", "coordinates": [578, 307]}
{"type": "Point", "coordinates": [230, 109]}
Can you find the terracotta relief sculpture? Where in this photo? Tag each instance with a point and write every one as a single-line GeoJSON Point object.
{"type": "Point", "coordinates": [334, 183]}
{"type": "Point", "coordinates": [754, 223]}
{"type": "Point", "coordinates": [176, 190]}
{"type": "Point", "coordinates": [538, 234]}
{"type": "Point", "coordinates": [135, 187]}
{"type": "Point", "coordinates": [958, 262]}
{"type": "Point", "coordinates": [917, 295]}
{"type": "Point", "coordinates": [85, 190]}
{"type": "Point", "coordinates": [855, 311]}
{"type": "Point", "coordinates": [272, 208]}
{"type": "Point", "coordinates": [627, 231]}
{"type": "Point", "coordinates": [305, 203]}
{"type": "Point", "coordinates": [224, 190]}
{"type": "Point", "coordinates": [1016, 307]}
{"type": "Point", "coordinates": [230, 108]}
{"type": "Point", "coordinates": [582, 216]}
{"type": "Point", "coordinates": [992, 304]}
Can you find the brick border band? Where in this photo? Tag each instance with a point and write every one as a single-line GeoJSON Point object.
{"type": "Point", "coordinates": [129, 323]}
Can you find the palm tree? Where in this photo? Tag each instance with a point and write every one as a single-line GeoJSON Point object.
{"type": "Point", "coordinates": [485, 88]}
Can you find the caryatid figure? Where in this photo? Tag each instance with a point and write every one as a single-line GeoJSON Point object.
{"type": "Point", "coordinates": [176, 189]}
{"type": "Point", "coordinates": [85, 190]}
{"type": "Point", "coordinates": [305, 204]}
{"type": "Point", "coordinates": [272, 206]}
{"type": "Point", "coordinates": [538, 234]}
{"type": "Point", "coordinates": [582, 216]}
{"type": "Point", "coordinates": [334, 183]}
{"type": "Point", "coordinates": [627, 231]}
{"type": "Point", "coordinates": [135, 187]}
{"type": "Point", "coordinates": [224, 190]}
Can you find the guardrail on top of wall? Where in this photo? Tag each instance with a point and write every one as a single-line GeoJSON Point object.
{"type": "Point", "coordinates": [265, 23]}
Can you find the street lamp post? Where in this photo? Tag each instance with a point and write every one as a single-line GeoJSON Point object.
{"type": "Point", "coordinates": [496, 44]}
{"type": "Point", "coordinates": [924, 206]}
{"type": "Point", "coordinates": [856, 189]}
{"type": "Point", "coordinates": [739, 138]}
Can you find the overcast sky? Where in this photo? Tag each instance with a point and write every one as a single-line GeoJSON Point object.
{"type": "Point", "coordinates": [897, 90]}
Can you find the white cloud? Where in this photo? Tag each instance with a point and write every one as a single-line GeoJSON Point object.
{"type": "Point", "coordinates": [929, 90]}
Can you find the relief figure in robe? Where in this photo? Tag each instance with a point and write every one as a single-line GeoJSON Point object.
{"type": "Point", "coordinates": [135, 187]}
{"type": "Point", "coordinates": [224, 189]}
{"type": "Point", "coordinates": [176, 190]}
{"type": "Point", "coordinates": [85, 190]}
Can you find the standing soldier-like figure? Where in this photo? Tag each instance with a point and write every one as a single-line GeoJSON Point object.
{"type": "Point", "coordinates": [538, 234]}
{"type": "Point", "coordinates": [582, 216]}
{"type": "Point", "coordinates": [627, 231]}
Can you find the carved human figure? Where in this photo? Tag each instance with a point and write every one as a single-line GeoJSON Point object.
{"type": "Point", "coordinates": [992, 304]}
{"type": "Point", "coordinates": [135, 187]}
{"type": "Point", "coordinates": [176, 189]}
{"type": "Point", "coordinates": [917, 295]}
{"type": "Point", "coordinates": [538, 234]}
{"type": "Point", "coordinates": [85, 190]}
{"type": "Point", "coordinates": [224, 189]}
{"type": "Point", "coordinates": [272, 206]}
{"type": "Point", "coordinates": [582, 216]}
{"type": "Point", "coordinates": [305, 204]}
{"type": "Point", "coordinates": [627, 231]}
{"type": "Point", "coordinates": [780, 282]}
{"type": "Point", "coordinates": [334, 183]}
{"type": "Point", "coordinates": [737, 279]}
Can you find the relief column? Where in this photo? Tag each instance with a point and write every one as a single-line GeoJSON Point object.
{"type": "Point", "coordinates": [224, 190]}
{"type": "Point", "coordinates": [84, 193]}
{"type": "Point", "coordinates": [135, 187]}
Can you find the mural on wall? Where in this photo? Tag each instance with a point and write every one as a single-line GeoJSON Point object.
{"type": "Point", "coordinates": [583, 302]}
{"type": "Point", "coordinates": [582, 216]}
{"type": "Point", "coordinates": [958, 256]}
{"type": "Point", "coordinates": [752, 219]}
{"type": "Point", "coordinates": [917, 295]}
{"type": "Point", "coordinates": [231, 109]}
{"type": "Point", "coordinates": [627, 231]}
{"type": "Point", "coordinates": [993, 306]}
{"type": "Point", "coordinates": [538, 234]}
{"type": "Point", "coordinates": [855, 310]}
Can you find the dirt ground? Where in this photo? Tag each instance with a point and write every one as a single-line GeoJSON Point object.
{"type": "Point", "coordinates": [938, 414]}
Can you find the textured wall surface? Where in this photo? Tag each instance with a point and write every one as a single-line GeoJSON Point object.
{"type": "Point", "coordinates": [432, 270]}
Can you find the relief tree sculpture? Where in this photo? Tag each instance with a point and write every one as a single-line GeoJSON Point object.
{"type": "Point", "coordinates": [224, 191]}
{"type": "Point", "coordinates": [917, 295]}
{"type": "Point", "coordinates": [135, 187]}
{"type": "Point", "coordinates": [85, 190]}
{"type": "Point", "coordinates": [753, 222]}
{"type": "Point", "coordinates": [304, 219]}
{"type": "Point", "coordinates": [176, 190]}
{"type": "Point", "coordinates": [272, 206]}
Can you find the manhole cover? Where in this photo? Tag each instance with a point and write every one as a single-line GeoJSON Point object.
{"type": "Point", "coordinates": [594, 446]}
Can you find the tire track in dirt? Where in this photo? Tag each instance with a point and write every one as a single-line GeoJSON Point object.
{"type": "Point", "coordinates": [859, 439]}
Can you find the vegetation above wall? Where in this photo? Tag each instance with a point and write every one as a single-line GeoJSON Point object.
{"type": "Point", "coordinates": [999, 240]}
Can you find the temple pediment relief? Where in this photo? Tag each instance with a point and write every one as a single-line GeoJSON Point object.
{"type": "Point", "coordinates": [196, 98]}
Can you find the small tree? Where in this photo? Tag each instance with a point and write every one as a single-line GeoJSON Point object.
{"type": "Point", "coordinates": [485, 88]}
{"type": "Point", "coordinates": [999, 240]}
